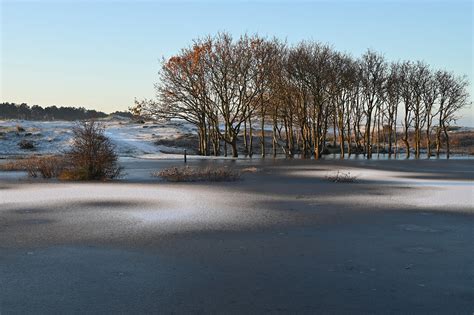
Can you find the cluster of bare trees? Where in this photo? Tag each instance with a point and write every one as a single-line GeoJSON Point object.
{"type": "Point", "coordinates": [304, 99]}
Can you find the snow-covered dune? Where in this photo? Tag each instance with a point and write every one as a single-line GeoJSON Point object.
{"type": "Point", "coordinates": [51, 137]}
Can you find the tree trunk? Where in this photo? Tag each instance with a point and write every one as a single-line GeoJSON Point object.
{"type": "Point", "coordinates": [405, 141]}
{"type": "Point", "coordinates": [274, 136]}
{"type": "Point", "coordinates": [394, 122]}
{"type": "Point", "coordinates": [246, 146]}
{"type": "Point", "coordinates": [251, 138]}
{"type": "Point", "coordinates": [368, 146]}
{"type": "Point", "coordinates": [200, 140]}
{"type": "Point", "coordinates": [315, 142]}
{"type": "Point", "coordinates": [207, 139]}
{"type": "Point", "coordinates": [262, 131]}
{"type": "Point", "coordinates": [428, 140]}
{"type": "Point", "coordinates": [417, 140]}
{"type": "Point", "coordinates": [407, 144]}
{"type": "Point", "coordinates": [216, 139]}
{"type": "Point", "coordinates": [378, 131]}
{"type": "Point", "coordinates": [234, 146]}
{"type": "Point", "coordinates": [341, 134]}
{"type": "Point", "coordinates": [341, 143]}
{"type": "Point", "coordinates": [225, 142]}
{"type": "Point", "coordinates": [438, 141]}
{"type": "Point", "coordinates": [390, 142]}
{"type": "Point", "coordinates": [445, 130]}
{"type": "Point", "coordinates": [287, 135]}
{"type": "Point", "coordinates": [348, 132]}
{"type": "Point", "coordinates": [291, 146]}
{"type": "Point", "coordinates": [322, 140]}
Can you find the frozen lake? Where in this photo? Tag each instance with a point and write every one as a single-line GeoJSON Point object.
{"type": "Point", "coordinates": [282, 239]}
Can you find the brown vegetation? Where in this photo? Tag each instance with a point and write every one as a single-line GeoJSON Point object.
{"type": "Point", "coordinates": [38, 166]}
{"type": "Point", "coordinates": [92, 156]}
{"type": "Point", "coordinates": [195, 174]}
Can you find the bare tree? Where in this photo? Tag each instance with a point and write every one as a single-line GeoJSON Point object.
{"type": "Point", "coordinates": [430, 93]}
{"type": "Point", "coordinates": [232, 74]}
{"type": "Point", "coordinates": [182, 91]}
{"type": "Point", "coordinates": [407, 77]}
{"type": "Point", "coordinates": [418, 80]}
{"type": "Point", "coordinates": [343, 84]}
{"type": "Point", "coordinates": [392, 100]}
{"type": "Point", "coordinates": [453, 96]}
{"type": "Point", "coordinates": [373, 79]}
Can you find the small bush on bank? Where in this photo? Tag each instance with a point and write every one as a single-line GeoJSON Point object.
{"type": "Point", "coordinates": [195, 174]}
{"type": "Point", "coordinates": [92, 155]}
{"type": "Point", "coordinates": [342, 177]}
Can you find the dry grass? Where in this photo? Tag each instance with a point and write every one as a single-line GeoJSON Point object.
{"type": "Point", "coordinates": [15, 165]}
{"type": "Point", "coordinates": [38, 166]}
{"type": "Point", "coordinates": [197, 174]}
{"type": "Point", "coordinates": [342, 177]}
{"type": "Point", "coordinates": [251, 169]}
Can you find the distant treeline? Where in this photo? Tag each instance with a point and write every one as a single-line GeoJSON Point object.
{"type": "Point", "coordinates": [36, 112]}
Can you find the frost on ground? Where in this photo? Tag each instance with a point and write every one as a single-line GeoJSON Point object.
{"type": "Point", "coordinates": [46, 137]}
{"type": "Point", "coordinates": [131, 139]}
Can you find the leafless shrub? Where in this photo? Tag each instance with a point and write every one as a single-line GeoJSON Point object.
{"type": "Point", "coordinates": [92, 156]}
{"type": "Point", "coordinates": [19, 128]}
{"type": "Point", "coordinates": [342, 177]}
{"type": "Point", "coordinates": [26, 145]}
{"type": "Point", "coordinates": [195, 174]}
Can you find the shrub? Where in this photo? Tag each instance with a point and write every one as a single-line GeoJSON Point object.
{"type": "Point", "coordinates": [26, 145]}
{"type": "Point", "coordinates": [92, 155]}
{"type": "Point", "coordinates": [342, 177]}
{"type": "Point", "coordinates": [194, 174]}
{"type": "Point", "coordinates": [51, 166]}
{"type": "Point", "coordinates": [19, 128]}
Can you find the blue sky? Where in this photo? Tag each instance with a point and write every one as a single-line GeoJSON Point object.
{"type": "Point", "coordinates": [102, 54]}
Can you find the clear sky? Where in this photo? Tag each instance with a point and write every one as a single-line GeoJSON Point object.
{"type": "Point", "coordinates": [102, 54]}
